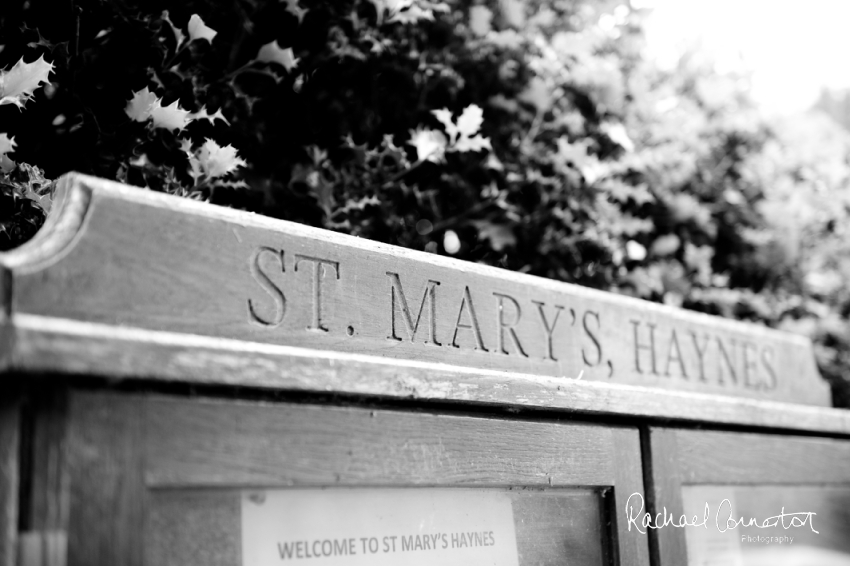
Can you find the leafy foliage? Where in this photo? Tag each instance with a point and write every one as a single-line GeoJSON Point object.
{"type": "Point", "coordinates": [18, 84]}
{"type": "Point", "coordinates": [525, 134]}
{"type": "Point", "coordinates": [25, 199]}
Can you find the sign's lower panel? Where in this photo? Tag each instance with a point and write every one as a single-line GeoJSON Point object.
{"type": "Point", "coordinates": [163, 481]}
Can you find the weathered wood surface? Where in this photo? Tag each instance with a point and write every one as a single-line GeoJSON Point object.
{"type": "Point", "coordinates": [55, 345]}
{"type": "Point", "coordinates": [106, 467]}
{"type": "Point", "coordinates": [161, 476]}
{"type": "Point", "coordinates": [121, 256]}
{"type": "Point", "coordinates": [207, 444]}
{"type": "Point", "coordinates": [758, 469]}
{"type": "Point", "coordinates": [43, 506]}
{"type": "Point", "coordinates": [706, 457]}
{"type": "Point", "coordinates": [9, 464]}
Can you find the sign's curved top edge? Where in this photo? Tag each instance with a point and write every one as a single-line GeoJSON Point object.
{"type": "Point", "coordinates": [76, 193]}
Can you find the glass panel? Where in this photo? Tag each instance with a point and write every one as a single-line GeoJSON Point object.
{"type": "Point", "coordinates": [767, 525]}
{"type": "Point", "coordinates": [398, 526]}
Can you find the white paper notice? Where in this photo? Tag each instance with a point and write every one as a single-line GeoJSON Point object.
{"type": "Point", "coordinates": [351, 527]}
{"type": "Point", "coordinates": [709, 546]}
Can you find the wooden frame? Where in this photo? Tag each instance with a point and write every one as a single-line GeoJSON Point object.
{"type": "Point", "coordinates": [697, 457]}
{"type": "Point", "coordinates": [122, 448]}
{"type": "Point", "coordinates": [9, 467]}
{"type": "Point", "coordinates": [113, 258]}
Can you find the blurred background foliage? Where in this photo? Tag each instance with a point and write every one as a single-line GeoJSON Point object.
{"type": "Point", "coordinates": [604, 170]}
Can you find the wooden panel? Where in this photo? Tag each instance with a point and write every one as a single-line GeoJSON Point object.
{"type": "Point", "coordinates": [159, 475]}
{"type": "Point", "coordinates": [757, 470]}
{"type": "Point", "coordinates": [9, 447]}
{"type": "Point", "coordinates": [151, 261]}
{"type": "Point", "coordinates": [44, 502]}
{"type": "Point", "coordinates": [201, 527]}
{"type": "Point", "coordinates": [106, 463]}
{"type": "Point", "coordinates": [278, 445]}
{"type": "Point", "coordinates": [628, 470]}
{"type": "Point", "coordinates": [48, 493]}
{"type": "Point", "coordinates": [731, 458]}
{"type": "Point", "coordinates": [667, 546]}
{"type": "Point", "coordinates": [50, 344]}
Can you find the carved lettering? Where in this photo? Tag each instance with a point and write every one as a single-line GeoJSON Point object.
{"type": "Point", "coordinates": [642, 346]}
{"type": "Point", "coordinates": [318, 273]}
{"type": "Point", "coordinates": [509, 326]}
{"type": "Point", "coordinates": [730, 360]}
{"type": "Point", "coordinates": [397, 297]}
{"type": "Point", "coordinates": [674, 345]}
{"type": "Point", "coordinates": [268, 286]}
{"type": "Point", "coordinates": [590, 334]}
{"type": "Point", "coordinates": [700, 354]}
{"type": "Point", "coordinates": [466, 305]}
{"type": "Point", "coordinates": [750, 365]}
{"type": "Point", "coordinates": [767, 364]}
{"type": "Point", "coordinates": [549, 329]}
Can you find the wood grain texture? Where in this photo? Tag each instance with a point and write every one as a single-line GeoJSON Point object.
{"type": "Point", "coordinates": [9, 448]}
{"type": "Point", "coordinates": [632, 545]}
{"type": "Point", "coordinates": [761, 473]}
{"type": "Point", "coordinates": [155, 262]}
{"type": "Point", "coordinates": [727, 458]}
{"type": "Point", "coordinates": [106, 464]}
{"type": "Point", "coordinates": [44, 498]}
{"type": "Point", "coordinates": [662, 458]}
{"type": "Point", "coordinates": [57, 345]}
{"type": "Point", "coordinates": [7, 331]}
{"type": "Point", "coordinates": [223, 444]}
{"type": "Point", "coordinates": [160, 476]}
{"type": "Point", "coordinates": [49, 482]}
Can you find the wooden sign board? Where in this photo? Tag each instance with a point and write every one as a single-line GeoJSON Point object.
{"type": "Point", "coordinates": [125, 257]}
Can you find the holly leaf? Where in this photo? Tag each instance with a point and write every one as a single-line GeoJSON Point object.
{"type": "Point", "coordinates": [293, 8]}
{"type": "Point", "coordinates": [470, 120]}
{"type": "Point", "coordinates": [41, 41]}
{"type": "Point", "coordinates": [178, 34]}
{"type": "Point", "coordinates": [462, 135]}
{"type": "Point", "coordinates": [18, 84]}
{"type": "Point", "coordinates": [199, 30]}
{"type": "Point", "coordinates": [202, 114]}
{"type": "Point", "coordinates": [139, 108]}
{"type": "Point", "coordinates": [430, 145]}
{"type": "Point", "coordinates": [6, 164]}
{"type": "Point", "coordinates": [444, 115]}
{"type": "Point", "coordinates": [476, 143]}
{"type": "Point", "coordinates": [273, 53]}
{"type": "Point", "coordinates": [170, 117]}
{"type": "Point", "coordinates": [7, 145]}
{"type": "Point", "coordinates": [186, 146]}
{"type": "Point", "coordinates": [216, 161]}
